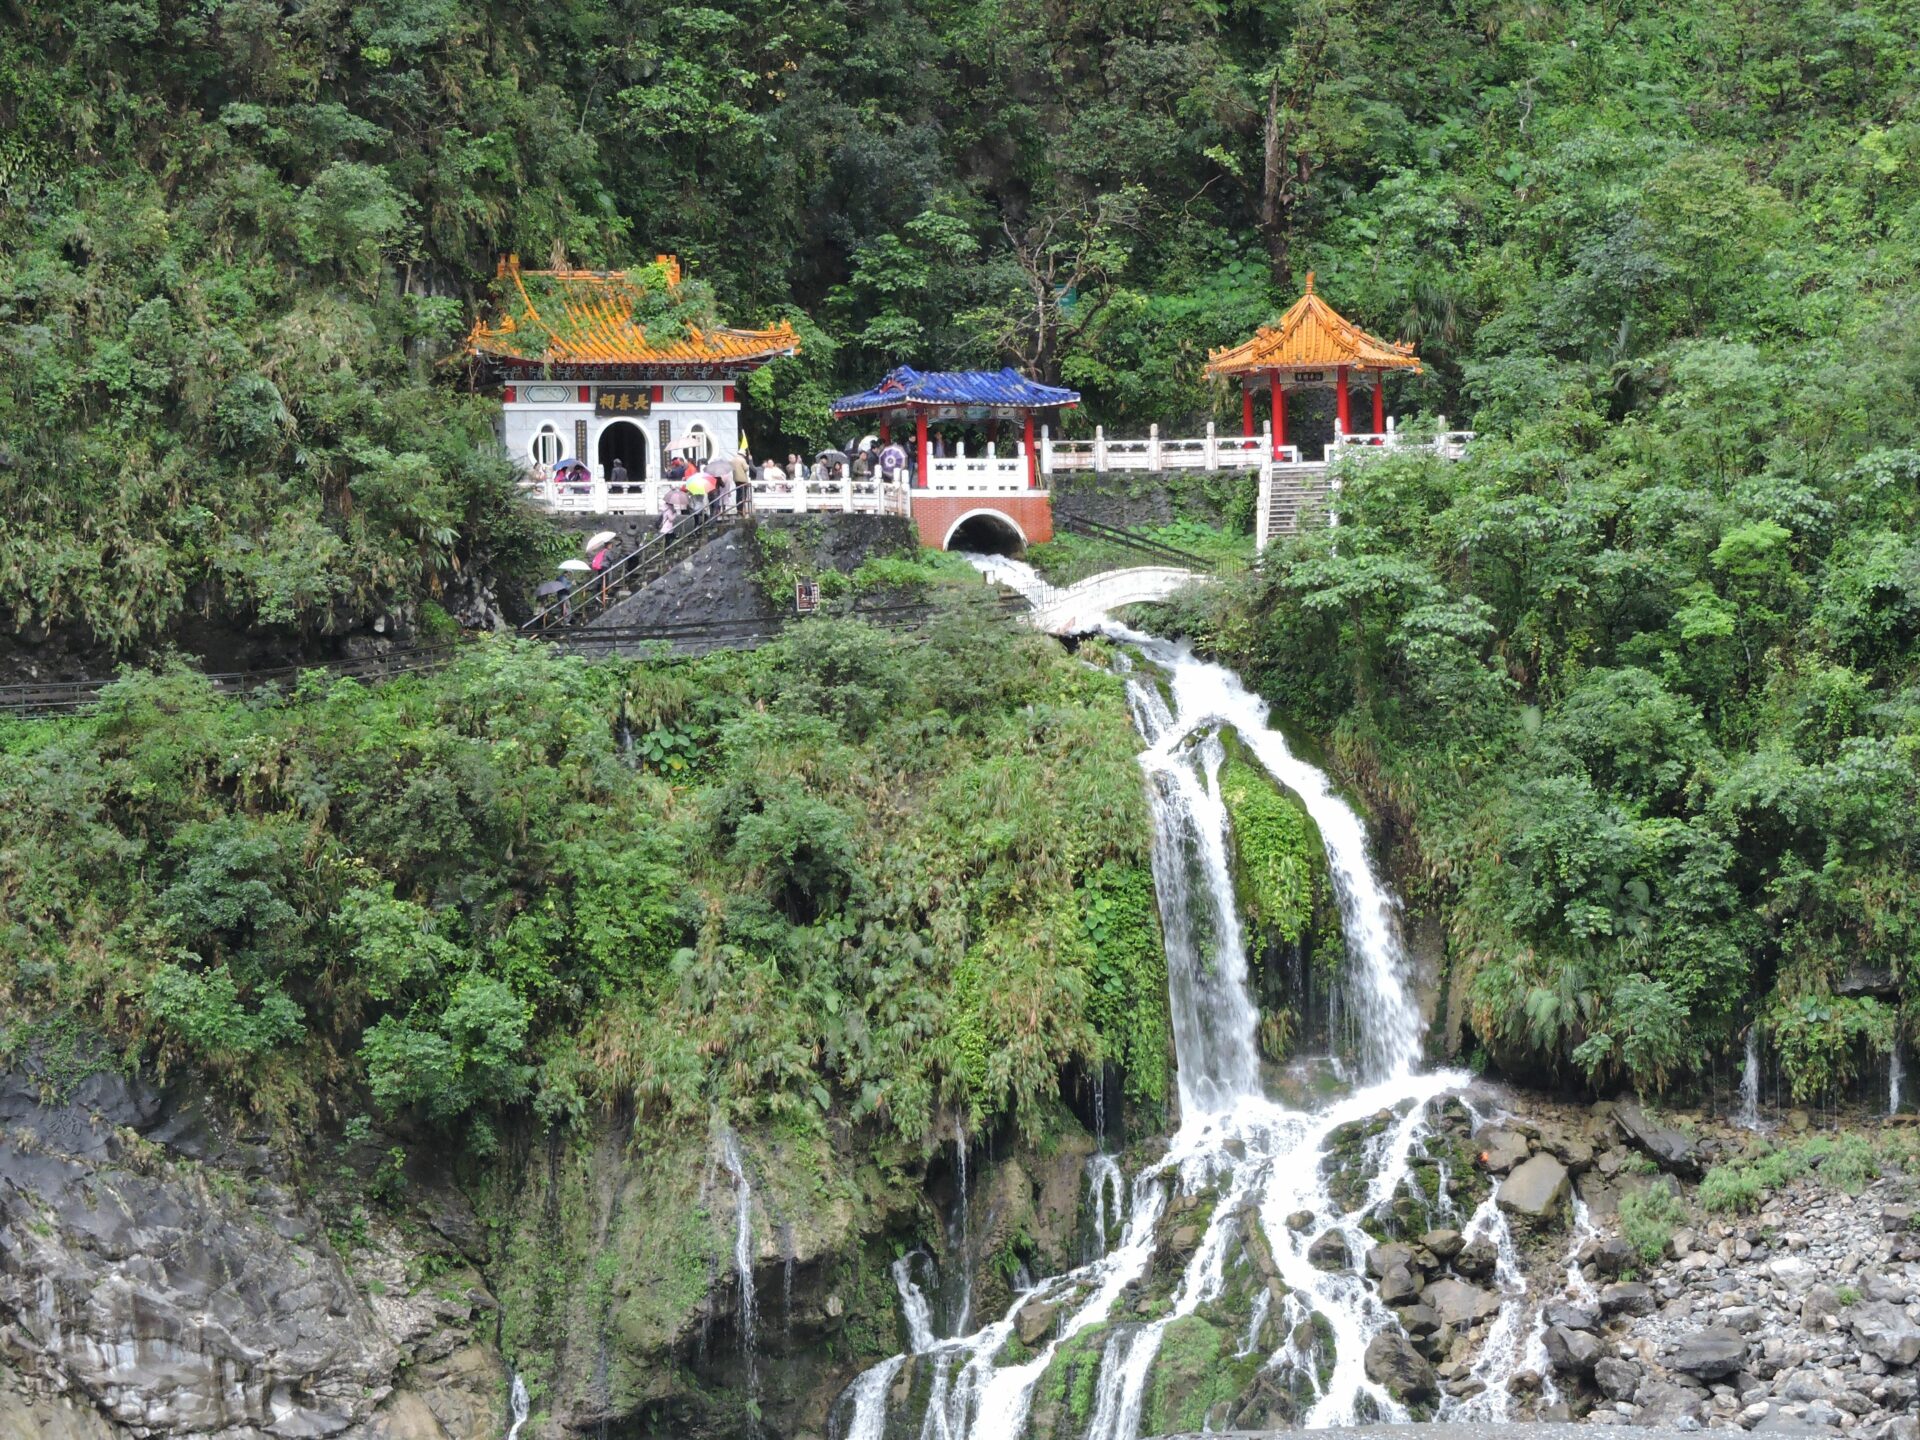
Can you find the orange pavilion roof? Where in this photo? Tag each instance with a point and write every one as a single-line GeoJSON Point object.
{"type": "Point", "coordinates": [586, 317]}
{"type": "Point", "coordinates": [1312, 335]}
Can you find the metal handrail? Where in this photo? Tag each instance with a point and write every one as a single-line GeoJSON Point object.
{"type": "Point", "coordinates": [595, 594]}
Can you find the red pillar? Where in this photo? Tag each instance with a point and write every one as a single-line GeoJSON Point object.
{"type": "Point", "coordinates": [1277, 401]}
{"type": "Point", "coordinates": [885, 439]}
{"type": "Point", "coordinates": [1246, 407]}
{"type": "Point", "coordinates": [1346, 405]}
{"type": "Point", "coordinates": [1033, 458]}
{"type": "Point", "coordinates": [1379, 402]}
{"type": "Point", "coordinates": [920, 443]}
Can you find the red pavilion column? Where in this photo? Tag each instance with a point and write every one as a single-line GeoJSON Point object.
{"type": "Point", "coordinates": [1246, 407]}
{"type": "Point", "coordinates": [920, 443]}
{"type": "Point", "coordinates": [885, 438]}
{"type": "Point", "coordinates": [1346, 405]}
{"type": "Point", "coordinates": [1279, 416]}
{"type": "Point", "coordinates": [1379, 402]}
{"type": "Point", "coordinates": [1033, 459]}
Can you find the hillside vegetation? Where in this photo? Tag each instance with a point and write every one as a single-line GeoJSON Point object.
{"type": "Point", "coordinates": [1640, 674]}
{"type": "Point", "coordinates": [896, 879]}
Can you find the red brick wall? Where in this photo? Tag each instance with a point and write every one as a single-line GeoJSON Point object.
{"type": "Point", "coordinates": [935, 514]}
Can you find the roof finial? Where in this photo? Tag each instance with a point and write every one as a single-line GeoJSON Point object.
{"type": "Point", "coordinates": [1309, 282]}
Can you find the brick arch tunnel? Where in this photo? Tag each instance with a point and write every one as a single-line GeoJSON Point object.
{"type": "Point", "coordinates": [987, 532]}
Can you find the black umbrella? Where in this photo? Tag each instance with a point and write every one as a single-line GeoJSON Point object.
{"type": "Point", "coordinates": [553, 587]}
{"type": "Point", "coordinates": [832, 457]}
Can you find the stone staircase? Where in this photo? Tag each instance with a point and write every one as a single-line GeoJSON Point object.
{"type": "Point", "coordinates": [1291, 497]}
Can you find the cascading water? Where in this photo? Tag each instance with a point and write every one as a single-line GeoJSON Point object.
{"type": "Point", "coordinates": [743, 1256]}
{"type": "Point", "coordinates": [521, 1406]}
{"type": "Point", "coordinates": [1896, 1077]}
{"type": "Point", "coordinates": [1750, 1081]}
{"type": "Point", "coordinates": [1258, 1157]}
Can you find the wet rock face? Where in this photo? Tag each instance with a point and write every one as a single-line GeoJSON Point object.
{"type": "Point", "coordinates": [177, 1297]}
{"type": "Point", "coordinates": [1536, 1190]}
{"type": "Point", "coordinates": [1402, 1371]}
{"type": "Point", "coordinates": [1669, 1148]}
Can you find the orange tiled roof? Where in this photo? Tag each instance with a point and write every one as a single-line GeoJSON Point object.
{"type": "Point", "coordinates": [1311, 335]}
{"type": "Point", "coordinates": [595, 324]}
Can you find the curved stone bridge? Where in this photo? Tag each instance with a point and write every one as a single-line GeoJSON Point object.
{"type": "Point", "coordinates": [1081, 606]}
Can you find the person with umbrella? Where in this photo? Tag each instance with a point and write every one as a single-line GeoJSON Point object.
{"type": "Point", "coordinates": [893, 460]}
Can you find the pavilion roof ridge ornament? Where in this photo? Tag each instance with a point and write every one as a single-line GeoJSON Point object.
{"type": "Point", "coordinates": [600, 327]}
{"type": "Point", "coordinates": [1312, 335]}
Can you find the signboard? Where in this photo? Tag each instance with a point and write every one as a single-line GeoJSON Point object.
{"type": "Point", "coordinates": [806, 596]}
{"type": "Point", "coordinates": [622, 400]}
{"type": "Point", "coordinates": [1308, 377]}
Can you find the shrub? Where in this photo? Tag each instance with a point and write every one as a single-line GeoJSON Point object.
{"type": "Point", "coordinates": [1648, 1218]}
{"type": "Point", "coordinates": [1731, 1190]}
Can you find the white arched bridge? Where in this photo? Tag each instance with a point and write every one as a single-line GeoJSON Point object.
{"type": "Point", "coordinates": [1064, 609]}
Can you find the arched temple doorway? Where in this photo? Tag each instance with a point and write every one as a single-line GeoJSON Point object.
{"type": "Point", "coordinates": [987, 532]}
{"type": "Point", "coordinates": [626, 442]}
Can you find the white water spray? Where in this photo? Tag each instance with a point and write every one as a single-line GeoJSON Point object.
{"type": "Point", "coordinates": [743, 1256]}
{"type": "Point", "coordinates": [1258, 1157]}
{"type": "Point", "coordinates": [1750, 1081]}
{"type": "Point", "coordinates": [1896, 1077]}
{"type": "Point", "coordinates": [521, 1405]}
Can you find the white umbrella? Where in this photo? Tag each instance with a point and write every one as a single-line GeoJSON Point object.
{"type": "Point", "coordinates": [575, 565]}
{"type": "Point", "coordinates": [687, 442]}
{"type": "Point", "coordinates": [605, 537]}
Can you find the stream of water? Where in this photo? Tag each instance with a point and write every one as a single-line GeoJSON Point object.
{"type": "Point", "coordinates": [1750, 1081]}
{"type": "Point", "coordinates": [1256, 1155]}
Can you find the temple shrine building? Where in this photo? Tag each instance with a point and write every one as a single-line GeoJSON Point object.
{"type": "Point", "coordinates": [1312, 347]}
{"type": "Point", "coordinates": [580, 378]}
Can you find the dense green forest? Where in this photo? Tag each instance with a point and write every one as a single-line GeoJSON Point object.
{"type": "Point", "coordinates": [893, 877]}
{"type": "Point", "coordinates": [1639, 676]}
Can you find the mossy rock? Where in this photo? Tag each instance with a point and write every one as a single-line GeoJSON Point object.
{"type": "Point", "coordinates": [1196, 1379]}
{"type": "Point", "coordinates": [1063, 1397]}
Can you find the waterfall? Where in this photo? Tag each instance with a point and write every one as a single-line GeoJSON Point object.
{"type": "Point", "coordinates": [1896, 1077]}
{"type": "Point", "coordinates": [913, 1305]}
{"type": "Point", "coordinates": [1750, 1081]}
{"type": "Point", "coordinates": [869, 1401]}
{"type": "Point", "coordinates": [966, 1233]}
{"type": "Point", "coordinates": [1578, 1287]}
{"type": "Point", "coordinates": [521, 1405]}
{"type": "Point", "coordinates": [1260, 1157]}
{"type": "Point", "coordinates": [743, 1255]}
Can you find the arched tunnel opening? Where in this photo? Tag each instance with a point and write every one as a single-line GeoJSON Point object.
{"type": "Point", "coordinates": [987, 535]}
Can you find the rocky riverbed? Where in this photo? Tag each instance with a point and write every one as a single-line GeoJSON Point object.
{"type": "Point", "coordinates": [1802, 1316]}
{"type": "Point", "coordinates": [162, 1275]}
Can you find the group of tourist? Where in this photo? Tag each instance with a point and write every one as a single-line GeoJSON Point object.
{"type": "Point", "coordinates": [888, 462]}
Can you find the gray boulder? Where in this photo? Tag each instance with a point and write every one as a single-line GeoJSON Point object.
{"type": "Point", "coordinates": [1477, 1259]}
{"type": "Point", "coordinates": [1661, 1402]}
{"type": "Point", "coordinates": [1710, 1354]}
{"type": "Point", "coordinates": [1393, 1364]}
{"type": "Point", "coordinates": [1671, 1149]}
{"type": "Point", "coordinates": [1459, 1304]}
{"type": "Point", "coordinates": [1626, 1297]}
{"type": "Point", "coordinates": [1383, 1258]}
{"type": "Point", "coordinates": [1536, 1189]}
{"type": "Point", "coordinates": [1571, 1352]}
{"type": "Point", "coordinates": [1445, 1244]}
{"type": "Point", "coordinates": [1399, 1287]}
{"type": "Point", "coordinates": [1500, 1149]}
{"type": "Point", "coordinates": [1616, 1378]}
{"type": "Point", "coordinates": [1419, 1321]}
{"type": "Point", "coordinates": [1330, 1252]}
{"type": "Point", "coordinates": [1884, 1330]}
{"type": "Point", "coordinates": [1574, 1314]}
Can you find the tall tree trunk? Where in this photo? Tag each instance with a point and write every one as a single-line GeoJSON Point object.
{"type": "Point", "coordinates": [1275, 207]}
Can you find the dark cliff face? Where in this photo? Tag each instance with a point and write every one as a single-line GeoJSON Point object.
{"type": "Point", "coordinates": [161, 1276]}
{"type": "Point", "coordinates": [164, 1275]}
